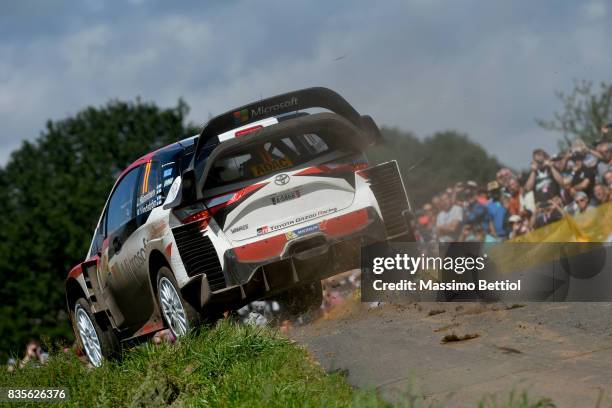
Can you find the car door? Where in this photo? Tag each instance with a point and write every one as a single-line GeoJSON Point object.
{"type": "Point", "coordinates": [125, 255]}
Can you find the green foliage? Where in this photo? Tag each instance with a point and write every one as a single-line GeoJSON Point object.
{"type": "Point", "coordinates": [51, 195]}
{"type": "Point", "coordinates": [583, 114]}
{"type": "Point", "coordinates": [439, 161]}
{"type": "Point", "coordinates": [228, 366]}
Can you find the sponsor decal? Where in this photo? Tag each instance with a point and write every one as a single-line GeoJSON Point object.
{"type": "Point", "coordinates": [239, 228]}
{"type": "Point", "coordinates": [241, 116]}
{"type": "Point", "coordinates": [270, 166]}
{"type": "Point", "coordinates": [168, 172]}
{"type": "Point", "coordinates": [302, 231]}
{"type": "Point", "coordinates": [264, 110]}
{"type": "Point", "coordinates": [281, 179]}
{"type": "Point", "coordinates": [168, 181]}
{"type": "Point", "coordinates": [263, 230]}
{"type": "Point", "coordinates": [132, 264]}
{"type": "Point", "coordinates": [302, 218]}
{"type": "Point", "coordinates": [146, 197]}
{"type": "Point", "coordinates": [290, 195]}
{"type": "Point", "coordinates": [145, 208]}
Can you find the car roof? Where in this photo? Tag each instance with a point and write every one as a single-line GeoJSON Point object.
{"type": "Point", "coordinates": [181, 144]}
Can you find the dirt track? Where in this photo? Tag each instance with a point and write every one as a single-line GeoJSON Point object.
{"type": "Point", "coordinates": [560, 350]}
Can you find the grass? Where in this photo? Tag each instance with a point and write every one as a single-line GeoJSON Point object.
{"type": "Point", "coordinates": [228, 366]}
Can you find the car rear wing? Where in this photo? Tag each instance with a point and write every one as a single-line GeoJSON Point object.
{"type": "Point", "coordinates": [317, 97]}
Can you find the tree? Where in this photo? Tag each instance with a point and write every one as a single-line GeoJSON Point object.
{"type": "Point", "coordinates": [52, 191]}
{"type": "Point", "coordinates": [583, 114]}
{"type": "Point", "coordinates": [437, 162]}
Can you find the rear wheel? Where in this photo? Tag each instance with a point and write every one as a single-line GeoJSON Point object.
{"type": "Point", "coordinates": [98, 343]}
{"type": "Point", "coordinates": [178, 314]}
{"type": "Point", "coordinates": [301, 299]}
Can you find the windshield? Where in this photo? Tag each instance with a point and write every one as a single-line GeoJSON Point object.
{"type": "Point", "coordinates": [266, 158]}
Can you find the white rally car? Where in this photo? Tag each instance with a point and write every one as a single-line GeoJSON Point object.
{"type": "Point", "coordinates": [265, 202]}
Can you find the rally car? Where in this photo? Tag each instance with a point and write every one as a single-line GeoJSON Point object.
{"type": "Point", "coordinates": [266, 201]}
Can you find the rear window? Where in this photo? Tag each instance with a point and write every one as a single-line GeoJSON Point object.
{"type": "Point", "coordinates": [266, 158]}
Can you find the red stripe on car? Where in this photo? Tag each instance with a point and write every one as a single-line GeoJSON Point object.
{"type": "Point", "coordinates": [261, 250]}
{"type": "Point", "coordinates": [75, 272]}
{"type": "Point", "coordinates": [345, 224]}
{"type": "Point", "coordinates": [273, 246]}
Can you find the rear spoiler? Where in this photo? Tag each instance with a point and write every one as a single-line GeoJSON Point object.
{"type": "Point", "coordinates": [317, 97]}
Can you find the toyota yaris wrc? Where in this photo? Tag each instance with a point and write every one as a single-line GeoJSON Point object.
{"type": "Point", "coordinates": [265, 202]}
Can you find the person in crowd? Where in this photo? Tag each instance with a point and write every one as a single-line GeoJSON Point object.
{"type": "Point", "coordinates": [34, 355]}
{"type": "Point", "coordinates": [606, 129]}
{"type": "Point", "coordinates": [11, 364]}
{"type": "Point", "coordinates": [562, 162]}
{"type": "Point", "coordinates": [604, 158]}
{"type": "Point", "coordinates": [514, 196]}
{"type": "Point", "coordinates": [579, 205]}
{"type": "Point", "coordinates": [607, 178]}
{"type": "Point", "coordinates": [601, 195]}
{"type": "Point", "coordinates": [518, 226]}
{"type": "Point", "coordinates": [549, 212]}
{"type": "Point", "coordinates": [475, 212]}
{"type": "Point", "coordinates": [527, 198]}
{"type": "Point", "coordinates": [544, 179]}
{"type": "Point", "coordinates": [583, 177]}
{"type": "Point", "coordinates": [436, 204]}
{"type": "Point", "coordinates": [475, 233]}
{"type": "Point", "coordinates": [497, 212]}
{"type": "Point", "coordinates": [448, 220]}
{"type": "Point", "coordinates": [503, 177]}
{"type": "Point", "coordinates": [579, 146]}
{"type": "Point", "coordinates": [425, 224]}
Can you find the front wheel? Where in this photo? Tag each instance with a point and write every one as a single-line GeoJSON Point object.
{"type": "Point", "coordinates": [178, 314]}
{"type": "Point", "coordinates": [98, 343]}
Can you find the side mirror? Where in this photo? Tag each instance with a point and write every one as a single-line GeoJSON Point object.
{"type": "Point", "coordinates": [367, 124]}
{"type": "Point", "coordinates": [174, 197]}
{"type": "Point", "coordinates": [183, 190]}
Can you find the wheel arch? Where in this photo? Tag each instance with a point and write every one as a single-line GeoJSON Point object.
{"type": "Point", "coordinates": [74, 291]}
{"type": "Point", "coordinates": [156, 261]}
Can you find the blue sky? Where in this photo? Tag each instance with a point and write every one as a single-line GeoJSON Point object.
{"type": "Point", "coordinates": [484, 68]}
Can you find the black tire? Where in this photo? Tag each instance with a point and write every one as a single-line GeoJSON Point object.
{"type": "Point", "coordinates": [109, 345]}
{"type": "Point", "coordinates": [301, 299]}
{"type": "Point", "coordinates": [191, 315]}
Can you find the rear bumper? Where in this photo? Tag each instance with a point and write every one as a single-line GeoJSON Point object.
{"type": "Point", "coordinates": [335, 248]}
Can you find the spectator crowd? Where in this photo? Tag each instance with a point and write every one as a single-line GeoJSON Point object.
{"type": "Point", "coordinates": [571, 182]}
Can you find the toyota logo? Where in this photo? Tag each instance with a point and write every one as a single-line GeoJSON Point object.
{"type": "Point", "coordinates": [281, 179]}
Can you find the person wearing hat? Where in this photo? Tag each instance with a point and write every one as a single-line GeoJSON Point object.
{"type": "Point", "coordinates": [582, 177]}
{"type": "Point", "coordinates": [580, 204]}
{"type": "Point", "coordinates": [517, 226]}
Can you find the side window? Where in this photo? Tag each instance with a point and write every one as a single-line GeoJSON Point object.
{"type": "Point", "coordinates": [121, 205]}
{"type": "Point", "coordinates": [169, 173]}
{"type": "Point", "coordinates": [149, 191]}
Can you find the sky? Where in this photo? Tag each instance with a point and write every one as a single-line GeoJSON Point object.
{"type": "Point", "coordinates": [488, 69]}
